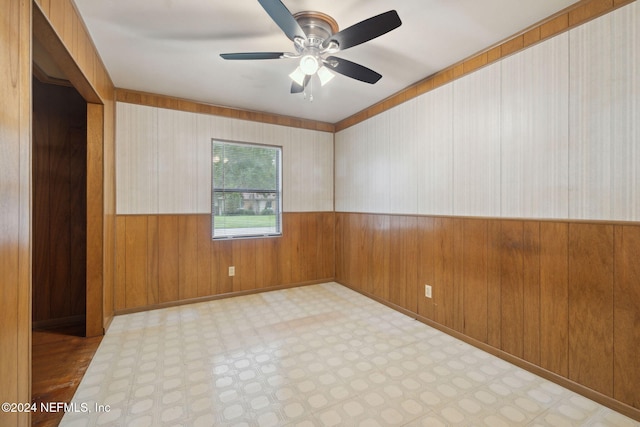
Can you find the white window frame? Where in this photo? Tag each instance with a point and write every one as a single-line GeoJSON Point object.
{"type": "Point", "coordinates": [220, 188]}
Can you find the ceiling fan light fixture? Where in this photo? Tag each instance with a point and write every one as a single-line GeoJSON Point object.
{"type": "Point", "coordinates": [298, 76]}
{"type": "Point", "coordinates": [325, 75]}
{"type": "Point", "coordinates": [309, 64]}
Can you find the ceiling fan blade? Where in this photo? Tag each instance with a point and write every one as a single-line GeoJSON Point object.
{"type": "Point", "coordinates": [297, 88]}
{"type": "Point", "coordinates": [252, 55]}
{"type": "Point", "coordinates": [285, 20]}
{"type": "Point", "coordinates": [365, 30]}
{"type": "Point", "coordinates": [353, 70]}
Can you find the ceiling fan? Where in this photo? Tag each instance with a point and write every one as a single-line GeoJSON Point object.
{"type": "Point", "coordinates": [316, 38]}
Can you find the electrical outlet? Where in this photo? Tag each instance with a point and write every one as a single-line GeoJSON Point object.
{"type": "Point", "coordinates": [427, 291]}
{"type": "Point", "coordinates": [232, 271]}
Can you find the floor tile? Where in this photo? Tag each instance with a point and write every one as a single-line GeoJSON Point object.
{"type": "Point", "coordinates": [319, 355]}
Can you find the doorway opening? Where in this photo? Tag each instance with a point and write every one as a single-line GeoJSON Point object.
{"type": "Point", "coordinates": [59, 156]}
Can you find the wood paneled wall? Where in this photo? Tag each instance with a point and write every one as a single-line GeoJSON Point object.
{"type": "Point", "coordinates": [163, 259]}
{"type": "Point", "coordinates": [16, 176]}
{"type": "Point", "coordinates": [59, 215]}
{"type": "Point", "coordinates": [62, 32]}
{"type": "Point", "coordinates": [562, 296]}
{"type": "Point", "coordinates": [15, 218]}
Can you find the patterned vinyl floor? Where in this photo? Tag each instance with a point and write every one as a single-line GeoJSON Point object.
{"type": "Point", "coordinates": [319, 355]}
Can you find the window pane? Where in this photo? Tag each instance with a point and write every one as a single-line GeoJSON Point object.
{"type": "Point", "coordinates": [246, 190]}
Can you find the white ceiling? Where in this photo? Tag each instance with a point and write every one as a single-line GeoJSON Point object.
{"type": "Point", "coordinates": [172, 47]}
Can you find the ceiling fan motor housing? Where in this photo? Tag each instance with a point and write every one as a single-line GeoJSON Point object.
{"type": "Point", "coordinates": [317, 26]}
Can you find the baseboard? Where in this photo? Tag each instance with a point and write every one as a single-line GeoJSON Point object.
{"type": "Point", "coordinates": [607, 401]}
{"type": "Point", "coordinates": [219, 296]}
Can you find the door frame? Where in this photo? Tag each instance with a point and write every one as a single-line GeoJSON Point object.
{"type": "Point", "coordinates": [44, 33]}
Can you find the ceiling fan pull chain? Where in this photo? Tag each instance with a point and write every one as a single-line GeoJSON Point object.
{"type": "Point", "coordinates": [309, 95]}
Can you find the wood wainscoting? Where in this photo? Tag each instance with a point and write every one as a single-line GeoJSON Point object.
{"type": "Point", "coordinates": [561, 298]}
{"type": "Point", "coordinates": [165, 259]}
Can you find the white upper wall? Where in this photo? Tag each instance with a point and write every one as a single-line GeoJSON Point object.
{"type": "Point", "coordinates": [550, 132]}
{"type": "Point", "coordinates": [163, 160]}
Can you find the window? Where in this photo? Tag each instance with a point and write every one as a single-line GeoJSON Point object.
{"type": "Point", "coordinates": [246, 198]}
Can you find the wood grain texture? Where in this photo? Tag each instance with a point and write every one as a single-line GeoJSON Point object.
{"type": "Point", "coordinates": [73, 36]}
{"type": "Point", "coordinates": [554, 297]}
{"type": "Point", "coordinates": [531, 291]}
{"type": "Point", "coordinates": [425, 262]}
{"type": "Point", "coordinates": [60, 359]}
{"type": "Point", "coordinates": [95, 268]}
{"type": "Point", "coordinates": [119, 297]}
{"type": "Point", "coordinates": [244, 260]}
{"type": "Point", "coordinates": [16, 31]}
{"type": "Point", "coordinates": [403, 263]}
{"type": "Point", "coordinates": [443, 290]}
{"type": "Point", "coordinates": [540, 291]}
{"type": "Point", "coordinates": [512, 287]}
{"type": "Point", "coordinates": [60, 29]}
{"type": "Point", "coordinates": [494, 285]}
{"type": "Point", "coordinates": [60, 205]}
{"type": "Point", "coordinates": [15, 209]}
{"type": "Point", "coordinates": [591, 306]}
{"type": "Point", "coordinates": [626, 333]}
{"type": "Point", "coordinates": [153, 269]}
{"type": "Point", "coordinates": [474, 278]}
{"type": "Point", "coordinates": [187, 256]}
{"type": "Point", "coordinates": [135, 249]}
{"type": "Point", "coordinates": [204, 267]}
{"type": "Point", "coordinates": [378, 253]}
{"type": "Point", "coordinates": [170, 258]}
{"type": "Point", "coordinates": [47, 33]}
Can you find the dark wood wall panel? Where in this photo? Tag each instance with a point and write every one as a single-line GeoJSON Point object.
{"type": "Point", "coordinates": [626, 334]}
{"type": "Point", "coordinates": [204, 265]}
{"type": "Point", "coordinates": [136, 237]}
{"type": "Point", "coordinates": [443, 294]}
{"type": "Point", "coordinates": [531, 291]}
{"type": "Point", "coordinates": [153, 271]}
{"type": "Point", "coordinates": [187, 256]}
{"type": "Point", "coordinates": [426, 275]}
{"type": "Point", "coordinates": [475, 278]}
{"type": "Point", "coordinates": [59, 202]}
{"type": "Point", "coordinates": [512, 287]}
{"type": "Point", "coordinates": [541, 291]}
{"type": "Point", "coordinates": [494, 302]}
{"type": "Point", "coordinates": [377, 258]}
{"type": "Point", "coordinates": [170, 258]}
{"type": "Point", "coordinates": [591, 268]}
{"type": "Point", "coordinates": [402, 265]}
{"type": "Point", "coordinates": [554, 297]}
